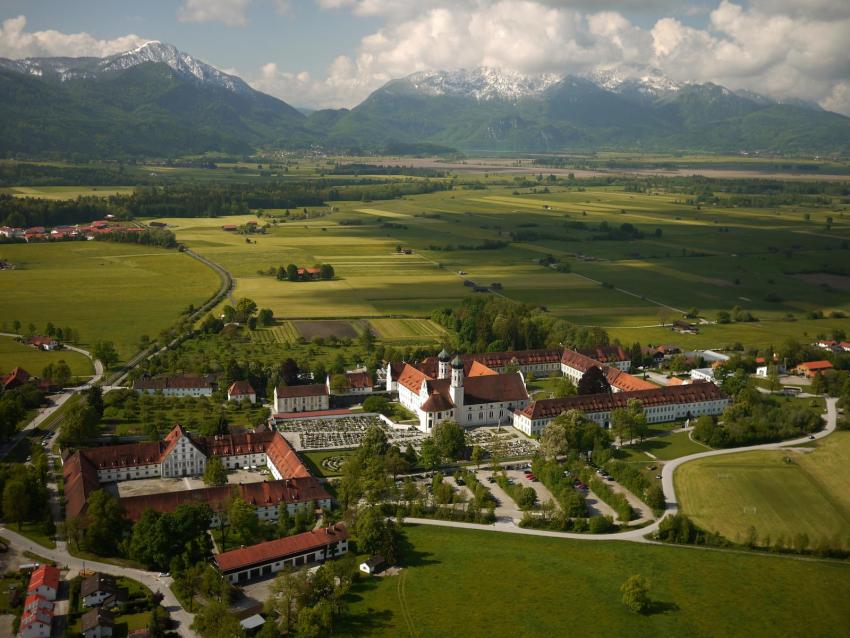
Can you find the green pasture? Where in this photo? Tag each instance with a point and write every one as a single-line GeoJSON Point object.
{"type": "Point", "coordinates": [102, 290]}
{"type": "Point", "coordinates": [407, 329]}
{"type": "Point", "coordinates": [779, 493]}
{"type": "Point", "coordinates": [480, 583]}
{"type": "Point", "coordinates": [15, 354]}
{"type": "Point", "coordinates": [670, 446]}
{"type": "Point", "coordinates": [711, 258]}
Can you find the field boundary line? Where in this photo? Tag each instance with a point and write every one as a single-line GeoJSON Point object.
{"type": "Point", "coordinates": [402, 599]}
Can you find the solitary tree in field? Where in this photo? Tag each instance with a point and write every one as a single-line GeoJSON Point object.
{"type": "Point", "coordinates": [636, 593]}
{"type": "Point", "coordinates": [105, 351]}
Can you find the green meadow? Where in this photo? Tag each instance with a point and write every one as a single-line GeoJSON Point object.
{"type": "Point", "coordinates": [14, 354]}
{"type": "Point", "coordinates": [102, 290]}
{"type": "Point", "coordinates": [479, 583]}
{"type": "Point", "coordinates": [778, 493]}
{"type": "Point", "coordinates": [712, 258]}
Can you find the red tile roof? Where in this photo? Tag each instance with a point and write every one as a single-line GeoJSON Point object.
{"type": "Point", "coordinates": [607, 354]}
{"type": "Point", "coordinates": [478, 369]}
{"type": "Point", "coordinates": [241, 389]}
{"type": "Point", "coordinates": [412, 378]}
{"type": "Point", "coordinates": [45, 575]}
{"type": "Point", "coordinates": [494, 360]}
{"type": "Point", "coordinates": [495, 388]}
{"type": "Point", "coordinates": [17, 377]}
{"type": "Point", "coordinates": [313, 390]}
{"type": "Point", "coordinates": [815, 365]}
{"type": "Point", "coordinates": [359, 380]}
{"type": "Point", "coordinates": [692, 393]}
{"type": "Point", "coordinates": [281, 548]}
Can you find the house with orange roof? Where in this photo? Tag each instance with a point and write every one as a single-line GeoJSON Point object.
{"type": "Point", "coordinates": [241, 390]}
{"type": "Point", "coordinates": [811, 369]}
{"type": "Point", "coordinates": [44, 582]}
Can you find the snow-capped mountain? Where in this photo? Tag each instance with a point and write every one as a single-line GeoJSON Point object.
{"type": "Point", "coordinates": [68, 69]}
{"type": "Point", "coordinates": [482, 83]}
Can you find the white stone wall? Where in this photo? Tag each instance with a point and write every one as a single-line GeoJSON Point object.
{"type": "Point", "coordinates": [129, 473]}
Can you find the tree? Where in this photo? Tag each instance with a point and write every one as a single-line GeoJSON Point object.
{"type": "Point", "coordinates": [773, 383]}
{"type": "Point", "coordinates": [214, 620]}
{"type": "Point", "coordinates": [554, 441]}
{"type": "Point", "coordinates": [428, 454]}
{"type": "Point", "coordinates": [636, 594]}
{"type": "Point", "coordinates": [266, 317]}
{"type": "Point", "coordinates": [16, 502]}
{"type": "Point", "coordinates": [215, 472]}
{"type": "Point", "coordinates": [449, 439]}
{"type": "Point", "coordinates": [243, 520]}
{"type": "Point", "coordinates": [376, 534]}
{"type": "Point", "coordinates": [563, 387]}
{"type": "Point", "coordinates": [292, 272]}
{"type": "Point", "coordinates": [377, 404]}
{"type": "Point", "coordinates": [724, 317]}
{"type": "Point", "coordinates": [475, 456]}
{"type": "Point", "coordinates": [59, 372]}
{"type": "Point", "coordinates": [339, 384]}
{"type": "Point", "coordinates": [105, 523]}
{"type": "Point", "coordinates": [593, 381]}
{"type": "Point", "coordinates": [94, 399]}
{"type": "Point", "coordinates": [79, 426]}
{"type": "Point", "coordinates": [326, 271]}
{"type": "Point", "coordinates": [105, 351]}
{"type": "Point", "coordinates": [245, 308]}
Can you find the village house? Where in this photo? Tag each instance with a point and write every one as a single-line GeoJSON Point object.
{"type": "Point", "coordinates": [811, 369]}
{"type": "Point", "coordinates": [97, 623]}
{"type": "Point", "coordinates": [44, 582]}
{"type": "Point", "coordinates": [659, 405]}
{"type": "Point", "coordinates": [181, 454]}
{"type": "Point", "coordinates": [241, 390]}
{"type": "Point", "coordinates": [182, 385]}
{"type": "Point", "coordinates": [301, 398]}
{"type": "Point", "coordinates": [37, 617]}
{"type": "Point", "coordinates": [99, 588]}
{"type": "Point", "coordinates": [356, 383]}
{"type": "Point", "coordinates": [256, 561]}
{"type": "Point", "coordinates": [481, 396]}
{"type": "Point", "coordinates": [15, 379]}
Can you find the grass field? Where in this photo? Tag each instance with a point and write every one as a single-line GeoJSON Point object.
{"type": "Point", "coordinates": [68, 192]}
{"type": "Point", "coordinates": [476, 583]}
{"type": "Point", "coordinates": [14, 354]}
{"type": "Point", "coordinates": [102, 290]}
{"type": "Point", "coordinates": [778, 493]}
{"type": "Point", "coordinates": [407, 329]}
{"type": "Point", "coordinates": [671, 446]}
{"type": "Point", "coordinates": [314, 461]}
{"type": "Point", "coordinates": [711, 258]}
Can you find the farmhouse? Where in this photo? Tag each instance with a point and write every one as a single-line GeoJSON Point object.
{"type": "Point", "coordinates": [301, 398]}
{"type": "Point", "coordinates": [811, 369]}
{"type": "Point", "coordinates": [659, 405]}
{"type": "Point", "coordinates": [181, 454]}
{"type": "Point", "coordinates": [574, 365]}
{"type": "Point", "coordinates": [483, 397]}
{"type": "Point", "coordinates": [182, 385]}
{"type": "Point", "coordinates": [44, 343]}
{"type": "Point", "coordinates": [263, 559]}
{"type": "Point", "coordinates": [241, 390]}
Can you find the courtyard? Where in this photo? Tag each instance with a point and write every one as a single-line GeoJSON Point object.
{"type": "Point", "coordinates": [158, 485]}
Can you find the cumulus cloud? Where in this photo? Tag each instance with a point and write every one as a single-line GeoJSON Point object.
{"type": "Point", "coordinates": [783, 48]}
{"type": "Point", "coordinates": [17, 42]}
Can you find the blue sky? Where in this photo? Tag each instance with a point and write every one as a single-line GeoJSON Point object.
{"type": "Point", "coordinates": [334, 52]}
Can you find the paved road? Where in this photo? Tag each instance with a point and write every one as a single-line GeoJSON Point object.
{"type": "Point", "coordinates": [57, 400]}
{"type": "Point", "coordinates": [73, 564]}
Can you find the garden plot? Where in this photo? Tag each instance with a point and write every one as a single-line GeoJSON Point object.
{"type": "Point", "coordinates": [342, 432]}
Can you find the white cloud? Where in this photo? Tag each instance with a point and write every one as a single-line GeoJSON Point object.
{"type": "Point", "coordinates": [17, 42]}
{"type": "Point", "coordinates": [229, 12]}
{"type": "Point", "coordinates": [784, 48]}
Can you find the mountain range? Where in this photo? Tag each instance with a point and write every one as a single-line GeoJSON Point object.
{"type": "Point", "coordinates": [158, 101]}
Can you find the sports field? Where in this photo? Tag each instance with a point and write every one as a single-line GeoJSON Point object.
{"type": "Point", "coordinates": [785, 493]}
{"type": "Point", "coordinates": [489, 584]}
{"type": "Point", "coordinates": [14, 354]}
{"type": "Point", "coordinates": [102, 290]}
{"type": "Point", "coordinates": [682, 256]}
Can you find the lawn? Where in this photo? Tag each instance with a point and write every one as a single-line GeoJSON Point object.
{"type": "Point", "coordinates": [671, 446]}
{"type": "Point", "coordinates": [326, 463]}
{"type": "Point", "coordinates": [407, 329]}
{"type": "Point", "coordinates": [777, 492]}
{"type": "Point", "coordinates": [478, 583]}
{"type": "Point", "coordinates": [14, 354]}
{"type": "Point", "coordinates": [35, 532]}
{"type": "Point", "coordinates": [102, 290]}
